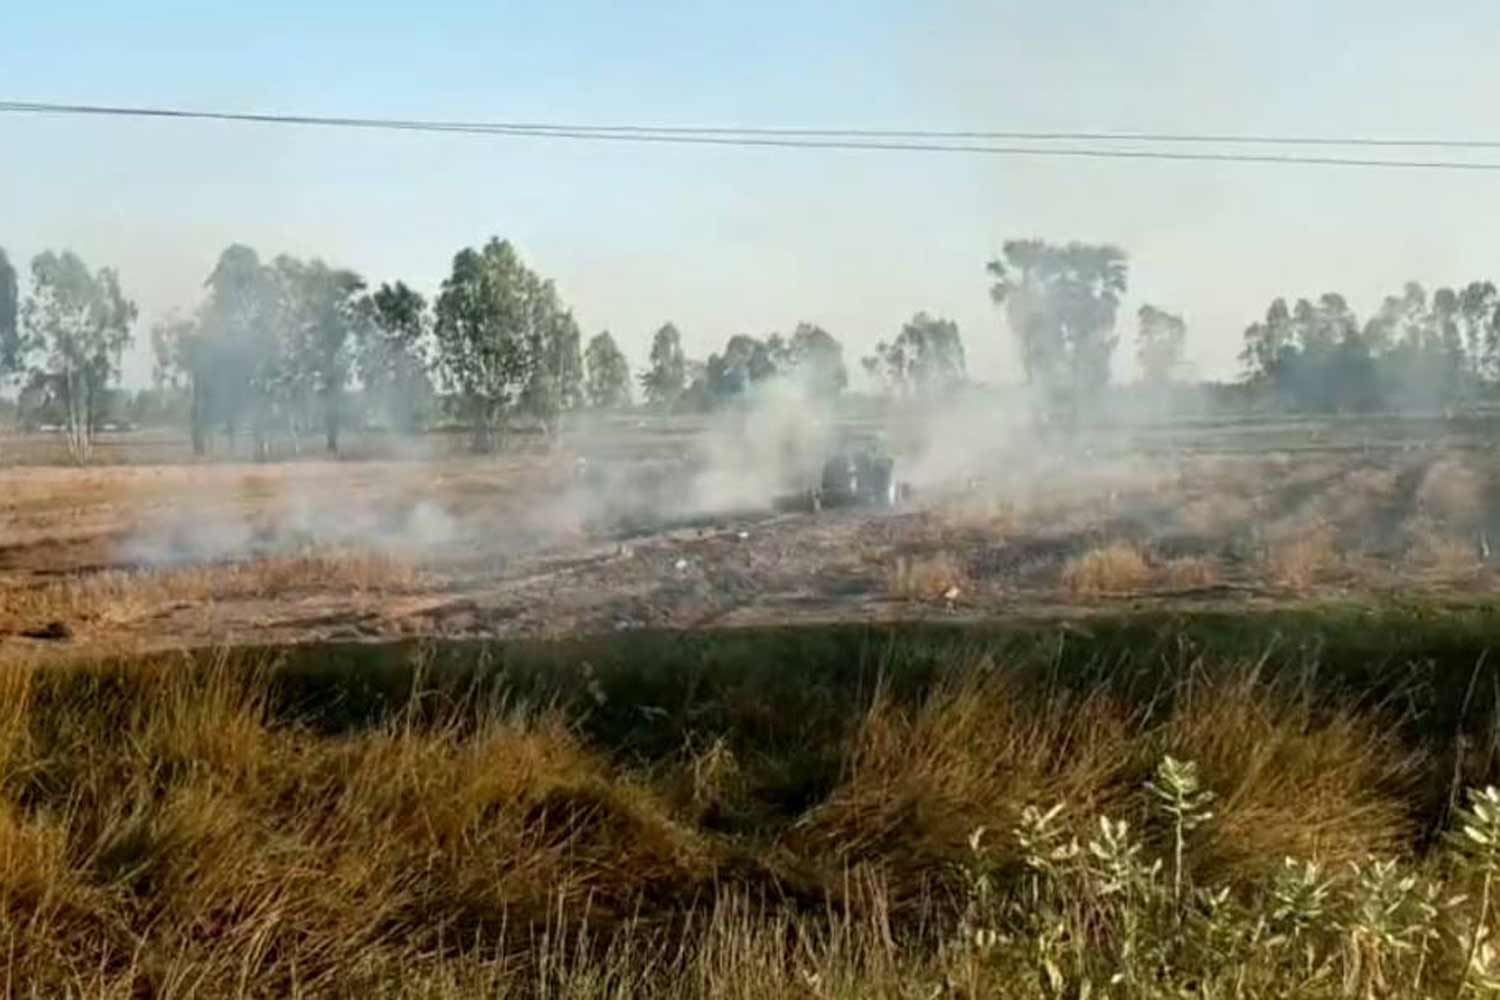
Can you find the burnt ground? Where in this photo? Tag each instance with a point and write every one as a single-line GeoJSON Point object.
{"type": "Point", "coordinates": [143, 557]}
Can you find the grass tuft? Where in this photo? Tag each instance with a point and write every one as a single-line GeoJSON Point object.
{"type": "Point", "coordinates": [1115, 568]}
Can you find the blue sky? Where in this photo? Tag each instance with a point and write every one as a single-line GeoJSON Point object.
{"type": "Point", "coordinates": [724, 240]}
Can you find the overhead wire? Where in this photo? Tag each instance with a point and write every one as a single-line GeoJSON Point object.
{"type": "Point", "coordinates": [877, 140]}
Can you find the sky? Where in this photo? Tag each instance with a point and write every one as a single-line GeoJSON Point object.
{"type": "Point", "coordinates": [723, 240]}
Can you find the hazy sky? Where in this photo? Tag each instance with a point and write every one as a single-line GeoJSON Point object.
{"type": "Point", "coordinates": [733, 240]}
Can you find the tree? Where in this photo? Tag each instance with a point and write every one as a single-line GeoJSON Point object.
{"type": "Point", "coordinates": [174, 344]}
{"type": "Point", "coordinates": [10, 327]}
{"type": "Point", "coordinates": [817, 358]}
{"type": "Point", "coordinates": [321, 318]}
{"type": "Point", "coordinates": [926, 359]}
{"type": "Point", "coordinates": [80, 324]}
{"type": "Point", "coordinates": [745, 361]}
{"type": "Point", "coordinates": [1061, 303]}
{"type": "Point", "coordinates": [555, 385]}
{"type": "Point", "coordinates": [1313, 356]}
{"type": "Point", "coordinates": [1479, 323]}
{"type": "Point", "coordinates": [503, 338]}
{"type": "Point", "coordinates": [1159, 344]}
{"type": "Point", "coordinates": [1422, 344]}
{"type": "Point", "coordinates": [392, 354]}
{"type": "Point", "coordinates": [666, 380]}
{"type": "Point", "coordinates": [236, 365]}
{"type": "Point", "coordinates": [607, 378]}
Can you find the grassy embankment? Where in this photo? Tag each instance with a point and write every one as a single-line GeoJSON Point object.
{"type": "Point", "coordinates": [832, 812]}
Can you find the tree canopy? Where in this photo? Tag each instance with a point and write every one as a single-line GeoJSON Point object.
{"type": "Point", "coordinates": [1060, 303]}
{"type": "Point", "coordinates": [505, 342]}
{"type": "Point", "coordinates": [607, 373]}
{"type": "Point", "coordinates": [78, 323]}
{"type": "Point", "coordinates": [926, 359]}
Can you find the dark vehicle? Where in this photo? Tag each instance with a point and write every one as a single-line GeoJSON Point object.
{"type": "Point", "coordinates": [851, 478]}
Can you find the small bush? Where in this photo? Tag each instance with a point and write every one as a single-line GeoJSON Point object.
{"type": "Point", "coordinates": [1441, 553]}
{"type": "Point", "coordinates": [927, 578]}
{"type": "Point", "coordinates": [1304, 558]}
{"type": "Point", "coordinates": [1112, 569]}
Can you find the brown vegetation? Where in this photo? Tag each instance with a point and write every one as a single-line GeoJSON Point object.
{"type": "Point", "coordinates": [1438, 552]}
{"type": "Point", "coordinates": [1304, 556]}
{"type": "Point", "coordinates": [167, 829]}
{"type": "Point", "coordinates": [1191, 571]}
{"type": "Point", "coordinates": [117, 597]}
{"type": "Point", "coordinates": [1118, 567]}
{"type": "Point", "coordinates": [925, 578]}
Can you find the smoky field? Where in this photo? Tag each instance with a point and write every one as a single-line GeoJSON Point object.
{"type": "Point", "coordinates": [658, 522]}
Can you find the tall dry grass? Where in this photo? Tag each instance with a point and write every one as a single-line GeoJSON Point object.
{"type": "Point", "coordinates": [1115, 568]}
{"type": "Point", "coordinates": [1304, 556]}
{"type": "Point", "coordinates": [175, 829]}
{"type": "Point", "coordinates": [925, 578]}
{"type": "Point", "coordinates": [122, 596]}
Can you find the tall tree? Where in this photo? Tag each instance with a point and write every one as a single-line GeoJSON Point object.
{"type": "Point", "coordinates": [1160, 342]}
{"type": "Point", "coordinates": [817, 359]}
{"type": "Point", "coordinates": [79, 323]}
{"type": "Point", "coordinates": [502, 336]}
{"type": "Point", "coordinates": [746, 360]}
{"type": "Point", "coordinates": [607, 379]}
{"type": "Point", "coordinates": [10, 326]}
{"type": "Point", "coordinates": [321, 319]}
{"type": "Point", "coordinates": [666, 379]}
{"type": "Point", "coordinates": [555, 383]}
{"type": "Point", "coordinates": [1060, 303]}
{"type": "Point", "coordinates": [1479, 321]}
{"type": "Point", "coordinates": [392, 359]}
{"type": "Point", "coordinates": [237, 364]}
{"type": "Point", "coordinates": [925, 359]}
{"type": "Point", "coordinates": [175, 343]}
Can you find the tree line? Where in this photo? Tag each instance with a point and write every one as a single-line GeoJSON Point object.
{"type": "Point", "coordinates": [292, 349]}
{"type": "Point", "coordinates": [1417, 351]}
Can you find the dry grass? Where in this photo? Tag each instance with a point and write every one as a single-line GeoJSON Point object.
{"type": "Point", "coordinates": [1217, 515]}
{"type": "Point", "coordinates": [925, 578]}
{"type": "Point", "coordinates": [115, 597]}
{"type": "Point", "coordinates": [1452, 492]}
{"type": "Point", "coordinates": [1359, 493]}
{"type": "Point", "coordinates": [990, 516]}
{"type": "Point", "coordinates": [1438, 552]}
{"type": "Point", "coordinates": [1118, 567]}
{"type": "Point", "coordinates": [1191, 571]}
{"type": "Point", "coordinates": [171, 829]}
{"type": "Point", "coordinates": [1303, 557]}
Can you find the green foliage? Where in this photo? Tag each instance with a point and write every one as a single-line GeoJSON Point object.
{"type": "Point", "coordinates": [607, 373]}
{"type": "Point", "coordinates": [78, 324]}
{"type": "Point", "coordinates": [1416, 352]}
{"type": "Point", "coordinates": [504, 341]}
{"type": "Point", "coordinates": [1160, 342]}
{"type": "Point", "coordinates": [392, 359]}
{"type": "Point", "coordinates": [817, 358]}
{"type": "Point", "coordinates": [1060, 302]}
{"type": "Point", "coordinates": [666, 379]}
{"type": "Point", "coordinates": [926, 359]}
{"type": "Point", "coordinates": [10, 317]}
{"type": "Point", "coordinates": [272, 346]}
{"type": "Point", "coordinates": [321, 317]}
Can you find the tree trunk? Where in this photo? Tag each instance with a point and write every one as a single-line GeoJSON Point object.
{"type": "Point", "coordinates": [331, 421]}
{"type": "Point", "coordinates": [195, 419]}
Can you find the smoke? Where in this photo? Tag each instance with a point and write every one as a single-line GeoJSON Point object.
{"type": "Point", "coordinates": [772, 441]}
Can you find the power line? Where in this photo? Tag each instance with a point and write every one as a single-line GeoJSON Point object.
{"type": "Point", "coordinates": [1254, 139]}
{"type": "Point", "coordinates": [837, 139]}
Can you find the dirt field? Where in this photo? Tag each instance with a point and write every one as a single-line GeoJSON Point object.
{"type": "Point", "coordinates": [606, 535]}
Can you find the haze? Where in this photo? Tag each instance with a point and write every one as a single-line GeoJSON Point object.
{"type": "Point", "coordinates": [734, 240]}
